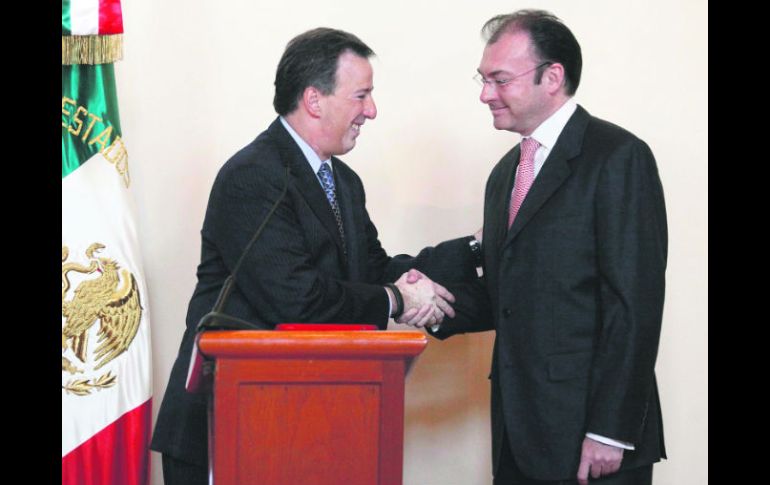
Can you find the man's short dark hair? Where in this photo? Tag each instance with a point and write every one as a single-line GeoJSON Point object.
{"type": "Point", "coordinates": [310, 59]}
{"type": "Point", "coordinates": [552, 41]}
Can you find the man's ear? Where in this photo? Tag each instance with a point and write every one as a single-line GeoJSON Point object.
{"type": "Point", "coordinates": [553, 77]}
{"type": "Point", "coordinates": [311, 101]}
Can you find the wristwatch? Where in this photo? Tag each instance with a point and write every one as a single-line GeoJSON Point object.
{"type": "Point", "coordinates": [475, 246]}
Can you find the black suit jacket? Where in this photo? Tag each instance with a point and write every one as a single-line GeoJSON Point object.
{"type": "Point", "coordinates": [575, 293]}
{"type": "Point", "coordinates": [297, 270]}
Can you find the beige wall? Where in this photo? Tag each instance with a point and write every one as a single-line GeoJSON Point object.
{"type": "Point", "coordinates": [196, 85]}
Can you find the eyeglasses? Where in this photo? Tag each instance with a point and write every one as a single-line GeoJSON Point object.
{"type": "Point", "coordinates": [505, 81]}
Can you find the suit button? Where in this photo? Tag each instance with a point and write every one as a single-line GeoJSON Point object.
{"type": "Point", "coordinates": [507, 312]}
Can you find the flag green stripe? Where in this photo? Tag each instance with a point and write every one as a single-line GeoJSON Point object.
{"type": "Point", "coordinates": [66, 22]}
{"type": "Point", "coordinates": [90, 117]}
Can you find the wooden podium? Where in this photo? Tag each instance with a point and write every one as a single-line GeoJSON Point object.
{"type": "Point", "coordinates": [306, 407]}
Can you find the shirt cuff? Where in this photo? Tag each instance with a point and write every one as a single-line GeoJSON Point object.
{"type": "Point", "coordinates": [610, 441]}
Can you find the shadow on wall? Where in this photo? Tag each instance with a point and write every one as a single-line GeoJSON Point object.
{"type": "Point", "coordinates": [449, 382]}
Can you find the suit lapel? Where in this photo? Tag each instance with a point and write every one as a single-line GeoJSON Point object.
{"type": "Point", "coordinates": [555, 171]}
{"type": "Point", "coordinates": [307, 182]}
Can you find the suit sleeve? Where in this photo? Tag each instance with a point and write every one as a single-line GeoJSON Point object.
{"type": "Point", "coordinates": [473, 311]}
{"type": "Point", "coordinates": [279, 277]}
{"type": "Point", "coordinates": [632, 243]}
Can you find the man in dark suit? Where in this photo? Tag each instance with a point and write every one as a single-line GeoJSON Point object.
{"type": "Point", "coordinates": [574, 250]}
{"type": "Point", "coordinates": [318, 259]}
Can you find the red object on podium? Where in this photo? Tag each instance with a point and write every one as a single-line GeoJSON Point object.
{"type": "Point", "coordinates": [324, 326]}
{"type": "Point", "coordinates": [306, 407]}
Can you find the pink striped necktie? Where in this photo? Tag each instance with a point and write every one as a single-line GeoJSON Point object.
{"type": "Point", "coordinates": [524, 176]}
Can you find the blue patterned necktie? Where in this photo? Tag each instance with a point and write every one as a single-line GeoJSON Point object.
{"type": "Point", "coordinates": [327, 182]}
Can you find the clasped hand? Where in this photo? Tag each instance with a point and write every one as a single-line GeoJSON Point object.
{"type": "Point", "coordinates": [425, 301]}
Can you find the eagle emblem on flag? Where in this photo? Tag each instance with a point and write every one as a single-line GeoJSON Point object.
{"type": "Point", "coordinates": [112, 299]}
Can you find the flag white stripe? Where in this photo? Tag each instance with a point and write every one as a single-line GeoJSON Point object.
{"type": "Point", "coordinates": [84, 17]}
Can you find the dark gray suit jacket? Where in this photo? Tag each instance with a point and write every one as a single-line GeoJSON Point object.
{"type": "Point", "coordinates": [575, 293]}
{"type": "Point", "coordinates": [297, 270]}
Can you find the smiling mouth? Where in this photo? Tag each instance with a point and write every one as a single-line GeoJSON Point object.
{"type": "Point", "coordinates": [497, 112]}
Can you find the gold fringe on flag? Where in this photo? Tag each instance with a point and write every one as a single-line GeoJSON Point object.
{"type": "Point", "coordinates": [91, 49]}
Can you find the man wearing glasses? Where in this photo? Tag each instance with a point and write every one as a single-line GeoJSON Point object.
{"type": "Point", "coordinates": [574, 249]}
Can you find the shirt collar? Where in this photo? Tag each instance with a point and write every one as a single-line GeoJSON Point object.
{"type": "Point", "coordinates": [310, 155]}
{"type": "Point", "coordinates": [549, 130]}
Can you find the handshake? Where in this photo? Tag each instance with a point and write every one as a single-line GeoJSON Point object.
{"type": "Point", "coordinates": [425, 301]}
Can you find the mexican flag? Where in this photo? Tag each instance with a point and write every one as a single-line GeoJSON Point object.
{"type": "Point", "coordinates": [106, 366]}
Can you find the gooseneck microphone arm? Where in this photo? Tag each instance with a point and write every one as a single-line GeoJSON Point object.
{"type": "Point", "coordinates": [216, 319]}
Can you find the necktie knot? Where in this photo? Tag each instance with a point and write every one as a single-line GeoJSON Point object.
{"type": "Point", "coordinates": [529, 147]}
{"type": "Point", "coordinates": [325, 174]}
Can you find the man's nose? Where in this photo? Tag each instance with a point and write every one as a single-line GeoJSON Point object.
{"type": "Point", "coordinates": [370, 109]}
{"type": "Point", "coordinates": [488, 93]}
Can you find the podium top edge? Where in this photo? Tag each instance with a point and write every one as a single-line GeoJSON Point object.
{"type": "Point", "coordinates": [326, 344]}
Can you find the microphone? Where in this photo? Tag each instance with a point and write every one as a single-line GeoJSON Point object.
{"type": "Point", "coordinates": [216, 319]}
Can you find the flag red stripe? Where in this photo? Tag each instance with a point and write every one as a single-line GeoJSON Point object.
{"type": "Point", "coordinates": [110, 17]}
{"type": "Point", "coordinates": [117, 455]}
